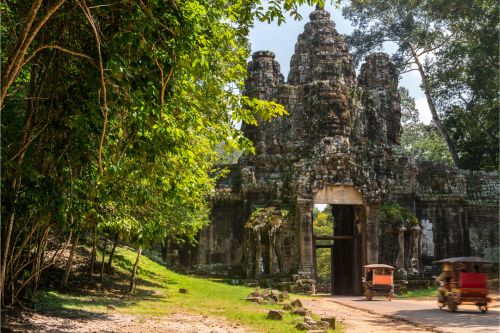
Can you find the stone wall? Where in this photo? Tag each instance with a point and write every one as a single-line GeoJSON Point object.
{"type": "Point", "coordinates": [342, 131]}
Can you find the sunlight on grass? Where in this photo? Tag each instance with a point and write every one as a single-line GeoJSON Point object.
{"type": "Point", "coordinates": [158, 295]}
{"type": "Point", "coordinates": [427, 292]}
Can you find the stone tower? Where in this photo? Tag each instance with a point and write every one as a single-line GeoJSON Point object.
{"type": "Point", "coordinates": [339, 145]}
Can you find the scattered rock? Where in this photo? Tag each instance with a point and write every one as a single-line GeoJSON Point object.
{"type": "Point", "coordinates": [330, 320]}
{"type": "Point", "coordinates": [275, 315]}
{"type": "Point", "coordinates": [266, 296]}
{"type": "Point", "coordinates": [321, 325]}
{"type": "Point", "coordinates": [282, 296]}
{"type": "Point", "coordinates": [302, 312]}
{"type": "Point", "coordinates": [254, 299]}
{"type": "Point", "coordinates": [183, 291]}
{"type": "Point", "coordinates": [297, 303]}
{"type": "Point", "coordinates": [111, 307]}
{"type": "Point", "coordinates": [288, 307]}
{"type": "Point", "coordinates": [312, 325]}
{"type": "Point", "coordinates": [303, 326]}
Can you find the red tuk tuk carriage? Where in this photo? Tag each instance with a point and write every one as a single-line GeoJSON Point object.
{"type": "Point", "coordinates": [378, 280]}
{"type": "Point", "coordinates": [463, 281]}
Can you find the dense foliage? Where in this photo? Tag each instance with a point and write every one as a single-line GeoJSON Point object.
{"type": "Point", "coordinates": [454, 48]}
{"type": "Point", "coordinates": [111, 112]}
{"type": "Point", "coordinates": [464, 79]}
{"type": "Point", "coordinates": [323, 226]}
{"type": "Point", "coordinates": [419, 140]}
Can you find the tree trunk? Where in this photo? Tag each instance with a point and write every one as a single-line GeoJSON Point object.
{"type": "Point", "coordinates": [69, 263]}
{"type": "Point", "coordinates": [15, 187]}
{"type": "Point", "coordinates": [17, 60]}
{"type": "Point", "coordinates": [93, 256]}
{"type": "Point", "coordinates": [37, 267]}
{"type": "Point", "coordinates": [102, 261]}
{"type": "Point", "coordinates": [134, 270]}
{"type": "Point", "coordinates": [110, 259]}
{"type": "Point", "coordinates": [432, 108]}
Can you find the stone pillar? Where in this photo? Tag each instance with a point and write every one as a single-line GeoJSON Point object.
{"type": "Point", "coordinates": [372, 234]}
{"type": "Point", "coordinates": [400, 261]}
{"type": "Point", "coordinates": [273, 258]}
{"type": "Point", "coordinates": [210, 243]}
{"type": "Point", "coordinates": [249, 254]}
{"type": "Point", "coordinates": [259, 265]}
{"type": "Point", "coordinates": [416, 233]}
{"type": "Point", "coordinates": [203, 248]}
{"type": "Point", "coordinates": [304, 218]}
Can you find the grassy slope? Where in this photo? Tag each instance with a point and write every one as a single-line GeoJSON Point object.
{"type": "Point", "coordinates": [157, 294]}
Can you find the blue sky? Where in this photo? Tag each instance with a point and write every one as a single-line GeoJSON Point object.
{"type": "Point", "coordinates": [281, 40]}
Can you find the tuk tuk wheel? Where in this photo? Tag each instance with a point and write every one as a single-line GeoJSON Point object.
{"type": "Point", "coordinates": [452, 305]}
{"type": "Point", "coordinates": [441, 305]}
{"type": "Point", "coordinates": [483, 308]}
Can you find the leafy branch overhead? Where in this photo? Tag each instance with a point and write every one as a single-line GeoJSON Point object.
{"type": "Point", "coordinates": [112, 113]}
{"type": "Point", "coordinates": [453, 48]}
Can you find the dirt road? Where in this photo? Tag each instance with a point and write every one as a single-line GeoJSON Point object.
{"type": "Point", "coordinates": [121, 323]}
{"type": "Point", "coordinates": [424, 315]}
{"type": "Point", "coordinates": [357, 315]}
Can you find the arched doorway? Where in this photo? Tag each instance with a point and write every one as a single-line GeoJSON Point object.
{"type": "Point", "coordinates": [345, 242]}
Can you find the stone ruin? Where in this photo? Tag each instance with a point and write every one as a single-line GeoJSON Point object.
{"type": "Point", "coordinates": [339, 145]}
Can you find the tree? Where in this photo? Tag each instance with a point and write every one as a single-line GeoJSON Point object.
{"type": "Point", "coordinates": [464, 79]}
{"type": "Point", "coordinates": [454, 47]}
{"type": "Point", "coordinates": [111, 113]}
{"type": "Point", "coordinates": [420, 141]}
{"type": "Point", "coordinates": [405, 23]}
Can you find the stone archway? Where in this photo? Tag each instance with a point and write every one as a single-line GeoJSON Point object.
{"type": "Point", "coordinates": [346, 244]}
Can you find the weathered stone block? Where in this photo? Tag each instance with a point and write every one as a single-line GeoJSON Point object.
{"type": "Point", "coordinates": [330, 320]}
{"type": "Point", "coordinates": [296, 303]}
{"type": "Point", "coordinates": [302, 312]}
{"type": "Point", "coordinates": [275, 315]}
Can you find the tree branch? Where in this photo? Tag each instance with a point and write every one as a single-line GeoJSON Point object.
{"type": "Point", "coordinates": [60, 48]}
{"type": "Point", "coordinates": [150, 14]}
{"type": "Point", "coordinates": [16, 62]}
{"type": "Point", "coordinates": [436, 47]}
{"type": "Point", "coordinates": [468, 108]}
{"type": "Point", "coordinates": [26, 145]}
{"type": "Point", "coordinates": [92, 23]}
{"type": "Point", "coordinates": [29, 22]}
{"type": "Point", "coordinates": [408, 71]}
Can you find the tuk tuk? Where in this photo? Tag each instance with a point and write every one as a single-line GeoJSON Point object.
{"type": "Point", "coordinates": [378, 279]}
{"type": "Point", "coordinates": [463, 281]}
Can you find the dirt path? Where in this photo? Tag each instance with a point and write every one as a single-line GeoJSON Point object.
{"type": "Point", "coordinates": [111, 323]}
{"type": "Point", "coordinates": [355, 320]}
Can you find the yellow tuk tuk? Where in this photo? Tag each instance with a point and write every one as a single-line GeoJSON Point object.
{"type": "Point", "coordinates": [463, 281]}
{"type": "Point", "coordinates": [378, 279]}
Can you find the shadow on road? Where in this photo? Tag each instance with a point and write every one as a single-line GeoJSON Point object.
{"type": "Point", "coordinates": [466, 317]}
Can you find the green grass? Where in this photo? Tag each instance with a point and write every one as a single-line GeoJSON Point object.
{"type": "Point", "coordinates": [158, 295]}
{"type": "Point", "coordinates": [418, 293]}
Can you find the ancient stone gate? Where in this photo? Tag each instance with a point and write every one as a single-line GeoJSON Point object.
{"type": "Point", "coordinates": [339, 145]}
